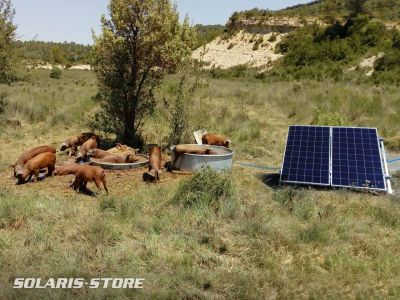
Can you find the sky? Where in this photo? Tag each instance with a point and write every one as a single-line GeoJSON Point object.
{"type": "Point", "coordinates": [73, 20]}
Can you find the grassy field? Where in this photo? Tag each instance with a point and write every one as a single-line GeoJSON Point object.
{"type": "Point", "coordinates": [254, 241]}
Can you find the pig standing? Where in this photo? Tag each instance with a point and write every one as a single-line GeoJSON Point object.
{"type": "Point", "coordinates": [215, 139]}
{"type": "Point", "coordinates": [87, 146]}
{"type": "Point", "coordinates": [45, 160]}
{"type": "Point", "coordinates": [87, 174]}
{"type": "Point", "coordinates": [154, 164]}
{"type": "Point", "coordinates": [27, 155]}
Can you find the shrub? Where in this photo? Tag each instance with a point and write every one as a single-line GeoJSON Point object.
{"type": "Point", "coordinates": [3, 103]}
{"type": "Point", "coordinates": [208, 189]}
{"type": "Point", "coordinates": [231, 45]}
{"type": "Point", "coordinates": [272, 38]}
{"type": "Point", "coordinates": [326, 118]}
{"type": "Point", "coordinates": [55, 73]}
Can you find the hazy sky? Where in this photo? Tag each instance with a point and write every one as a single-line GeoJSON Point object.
{"type": "Point", "coordinates": [72, 20]}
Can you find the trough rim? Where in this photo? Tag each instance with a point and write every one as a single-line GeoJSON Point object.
{"type": "Point", "coordinates": [123, 166]}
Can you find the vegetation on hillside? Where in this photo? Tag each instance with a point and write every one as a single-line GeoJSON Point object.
{"type": "Point", "coordinates": [37, 52]}
{"type": "Point", "coordinates": [319, 52]}
{"type": "Point", "coordinates": [388, 10]}
{"type": "Point", "coordinates": [207, 33]}
{"type": "Point", "coordinates": [7, 37]}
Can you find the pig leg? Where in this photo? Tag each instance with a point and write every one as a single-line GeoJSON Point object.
{"type": "Point", "coordinates": [50, 170]}
{"type": "Point", "coordinates": [73, 151]}
{"type": "Point", "coordinates": [98, 184]}
{"type": "Point", "coordinates": [36, 178]}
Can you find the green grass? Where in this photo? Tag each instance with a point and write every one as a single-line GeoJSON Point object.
{"type": "Point", "coordinates": [269, 242]}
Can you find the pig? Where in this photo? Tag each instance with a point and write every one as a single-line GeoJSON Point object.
{"type": "Point", "coordinates": [179, 150]}
{"type": "Point", "coordinates": [119, 159]}
{"type": "Point", "coordinates": [27, 155]}
{"type": "Point", "coordinates": [215, 139]}
{"type": "Point", "coordinates": [88, 145]}
{"type": "Point", "coordinates": [87, 174]}
{"type": "Point", "coordinates": [154, 164]}
{"type": "Point", "coordinates": [34, 165]}
{"type": "Point", "coordinates": [69, 169]}
{"type": "Point", "coordinates": [78, 140]}
{"type": "Point", "coordinates": [98, 153]}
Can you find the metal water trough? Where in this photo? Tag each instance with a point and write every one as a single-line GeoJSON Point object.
{"type": "Point", "coordinates": [109, 166]}
{"type": "Point", "coordinates": [222, 161]}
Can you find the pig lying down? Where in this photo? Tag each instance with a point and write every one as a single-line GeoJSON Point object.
{"type": "Point", "coordinates": [87, 174]}
{"type": "Point", "coordinates": [70, 169]}
{"type": "Point", "coordinates": [27, 155]}
{"type": "Point", "coordinates": [45, 160]}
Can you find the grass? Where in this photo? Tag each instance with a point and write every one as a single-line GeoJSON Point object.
{"type": "Point", "coordinates": [271, 242]}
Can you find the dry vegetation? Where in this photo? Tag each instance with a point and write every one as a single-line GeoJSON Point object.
{"type": "Point", "coordinates": [254, 241]}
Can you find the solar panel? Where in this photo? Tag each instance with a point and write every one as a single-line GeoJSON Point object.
{"type": "Point", "coordinates": [307, 155]}
{"type": "Point", "coordinates": [335, 156]}
{"type": "Point", "coordinates": [356, 158]}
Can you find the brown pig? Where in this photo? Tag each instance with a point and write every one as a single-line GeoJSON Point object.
{"type": "Point", "coordinates": [154, 164]}
{"type": "Point", "coordinates": [88, 145]}
{"type": "Point", "coordinates": [45, 160]}
{"type": "Point", "coordinates": [98, 153]}
{"type": "Point", "coordinates": [119, 159]}
{"type": "Point", "coordinates": [87, 174]}
{"type": "Point", "coordinates": [27, 155]}
{"type": "Point", "coordinates": [215, 139]}
{"type": "Point", "coordinates": [78, 140]}
{"type": "Point", "coordinates": [69, 169]}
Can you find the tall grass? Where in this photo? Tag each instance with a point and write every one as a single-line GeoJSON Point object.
{"type": "Point", "coordinates": [210, 236]}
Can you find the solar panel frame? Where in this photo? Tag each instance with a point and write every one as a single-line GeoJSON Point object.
{"type": "Point", "coordinates": [304, 181]}
{"type": "Point", "coordinates": [383, 169]}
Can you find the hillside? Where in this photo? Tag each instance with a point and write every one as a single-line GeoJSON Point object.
{"type": "Point", "coordinates": [388, 10]}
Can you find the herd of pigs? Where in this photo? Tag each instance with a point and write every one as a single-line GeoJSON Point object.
{"type": "Point", "coordinates": [31, 162]}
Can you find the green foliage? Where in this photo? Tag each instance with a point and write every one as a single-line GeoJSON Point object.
{"type": "Point", "coordinates": [180, 109]}
{"type": "Point", "coordinates": [324, 52]}
{"type": "Point", "coordinates": [207, 33]}
{"type": "Point", "coordinates": [383, 9]}
{"type": "Point", "coordinates": [355, 7]}
{"type": "Point", "coordinates": [54, 53]}
{"type": "Point", "coordinates": [323, 117]}
{"type": "Point", "coordinates": [130, 66]}
{"type": "Point", "coordinates": [7, 37]}
{"type": "Point", "coordinates": [55, 73]}
{"type": "Point", "coordinates": [207, 189]}
{"type": "Point", "coordinates": [3, 103]}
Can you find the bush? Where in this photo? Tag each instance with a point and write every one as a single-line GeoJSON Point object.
{"type": "Point", "coordinates": [272, 38]}
{"type": "Point", "coordinates": [3, 103]}
{"type": "Point", "coordinates": [323, 117]}
{"type": "Point", "coordinates": [208, 189]}
{"type": "Point", "coordinates": [55, 73]}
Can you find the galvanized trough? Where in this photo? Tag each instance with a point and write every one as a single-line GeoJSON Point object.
{"type": "Point", "coordinates": [143, 162]}
{"type": "Point", "coordinates": [222, 161]}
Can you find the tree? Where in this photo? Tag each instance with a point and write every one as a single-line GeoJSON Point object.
{"type": "Point", "coordinates": [141, 41]}
{"type": "Point", "coordinates": [7, 38]}
{"type": "Point", "coordinates": [356, 7]}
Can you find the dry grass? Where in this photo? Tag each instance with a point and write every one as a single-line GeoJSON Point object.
{"type": "Point", "coordinates": [279, 243]}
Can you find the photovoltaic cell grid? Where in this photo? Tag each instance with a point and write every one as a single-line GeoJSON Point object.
{"type": "Point", "coordinates": [356, 158]}
{"type": "Point", "coordinates": [307, 155]}
{"type": "Point", "coordinates": [337, 156]}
